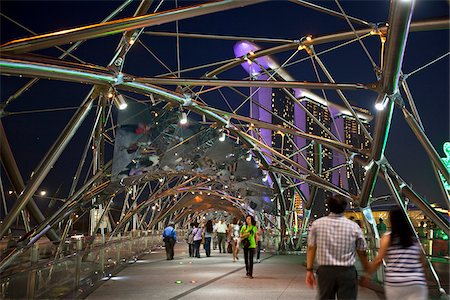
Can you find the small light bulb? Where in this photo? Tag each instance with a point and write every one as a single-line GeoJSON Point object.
{"type": "Point", "coordinates": [222, 137]}
{"type": "Point", "coordinates": [183, 119]}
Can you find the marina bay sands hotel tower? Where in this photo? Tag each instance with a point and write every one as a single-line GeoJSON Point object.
{"type": "Point", "coordinates": [266, 103]}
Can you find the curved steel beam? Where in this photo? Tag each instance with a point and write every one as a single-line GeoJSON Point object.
{"type": "Point", "coordinates": [399, 20]}
{"type": "Point", "coordinates": [256, 83]}
{"type": "Point", "coordinates": [113, 27]}
{"type": "Point", "coordinates": [329, 38]}
{"type": "Point", "coordinates": [16, 180]}
{"type": "Point", "coordinates": [48, 161]}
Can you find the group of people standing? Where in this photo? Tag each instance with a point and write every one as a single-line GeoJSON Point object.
{"type": "Point", "coordinates": [231, 235]}
{"type": "Point", "coordinates": [334, 241]}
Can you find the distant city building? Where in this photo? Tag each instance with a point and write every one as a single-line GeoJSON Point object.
{"type": "Point", "coordinates": [321, 113]}
{"type": "Point", "coordinates": [351, 133]}
{"type": "Point", "coordinates": [334, 118]}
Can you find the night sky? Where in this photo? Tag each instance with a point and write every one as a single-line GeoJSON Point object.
{"type": "Point", "coordinates": [31, 134]}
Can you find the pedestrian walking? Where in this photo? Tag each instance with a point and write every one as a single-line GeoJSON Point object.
{"type": "Point", "coordinates": [197, 239]}
{"type": "Point", "coordinates": [404, 275]}
{"type": "Point", "coordinates": [222, 236]}
{"type": "Point", "coordinates": [208, 236]}
{"type": "Point", "coordinates": [258, 243]}
{"type": "Point", "coordinates": [169, 238]}
{"type": "Point", "coordinates": [381, 226]}
{"type": "Point", "coordinates": [190, 239]}
{"type": "Point", "coordinates": [336, 241]}
{"type": "Point", "coordinates": [235, 236]}
{"type": "Point", "coordinates": [248, 234]}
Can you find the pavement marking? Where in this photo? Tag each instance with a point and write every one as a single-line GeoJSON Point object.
{"type": "Point", "coordinates": [211, 281]}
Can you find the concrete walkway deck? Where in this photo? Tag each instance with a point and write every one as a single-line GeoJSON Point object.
{"type": "Point", "coordinates": [215, 277]}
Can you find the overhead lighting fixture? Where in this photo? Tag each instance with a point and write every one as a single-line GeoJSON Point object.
{"type": "Point", "coordinates": [249, 157]}
{"type": "Point", "coordinates": [266, 176]}
{"type": "Point", "coordinates": [183, 118]}
{"type": "Point", "coordinates": [43, 193]}
{"type": "Point", "coordinates": [381, 102]}
{"type": "Point", "coordinates": [120, 102]}
{"type": "Point", "coordinates": [222, 137]}
{"type": "Point", "coordinates": [368, 166]}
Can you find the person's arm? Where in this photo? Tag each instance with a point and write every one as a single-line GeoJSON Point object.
{"type": "Point", "coordinates": [175, 235]}
{"type": "Point", "coordinates": [244, 234]}
{"type": "Point", "coordinates": [384, 245]}
{"type": "Point", "coordinates": [310, 256]}
{"type": "Point", "coordinates": [362, 254]}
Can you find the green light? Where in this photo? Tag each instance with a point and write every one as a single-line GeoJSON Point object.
{"type": "Point", "coordinates": [446, 161]}
{"type": "Point", "coordinates": [178, 282]}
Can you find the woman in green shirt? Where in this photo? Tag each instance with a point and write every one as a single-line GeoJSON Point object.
{"type": "Point", "coordinates": [248, 232]}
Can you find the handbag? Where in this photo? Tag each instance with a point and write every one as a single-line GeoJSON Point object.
{"type": "Point", "coordinates": [245, 243]}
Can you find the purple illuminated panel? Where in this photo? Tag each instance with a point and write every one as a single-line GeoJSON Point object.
{"type": "Point", "coordinates": [339, 176]}
{"type": "Point", "coordinates": [244, 48]}
{"type": "Point", "coordinates": [261, 108]}
{"type": "Point", "coordinates": [300, 122]}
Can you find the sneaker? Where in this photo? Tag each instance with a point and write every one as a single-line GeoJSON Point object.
{"type": "Point", "coordinates": [259, 261]}
{"type": "Point", "coordinates": [250, 276]}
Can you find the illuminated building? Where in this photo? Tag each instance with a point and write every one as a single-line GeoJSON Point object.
{"type": "Point", "coordinates": [350, 132]}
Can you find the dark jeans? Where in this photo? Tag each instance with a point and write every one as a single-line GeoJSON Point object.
{"type": "Point", "coordinates": [336, 280]}
{"type": "Point", "coordinates": [197, 248]}
{"type": "Point", "coordinates": [258, 250]}
{"type": "Point", "coordinates": [208, 246]}
{"type": "Point", "coordinates": [248, 256]}
{"type": "Point", "coordinates": [221, 237]}
{"type": "Point", "coordinates": [191, 250]}
{"type": "Point", "coordinates": [170, 243]}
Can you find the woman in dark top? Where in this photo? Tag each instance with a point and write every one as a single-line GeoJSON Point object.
{"type": "Point", "coordinates": [208, 236]}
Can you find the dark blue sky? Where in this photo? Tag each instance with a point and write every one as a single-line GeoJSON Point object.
{"type": "Point", "coordinates": [32, 134]}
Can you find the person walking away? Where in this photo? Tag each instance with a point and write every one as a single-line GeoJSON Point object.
{"type": "Point", "coordinates": [381, 226]}
{"type": "Point", "coordinates": [169, 238]}
{"type": "Point", "coordinates": [258, 240]}
{"type": "Point", "coordinates": [235, 233]}
{"type": "Point", "coordinates": [190, 239]}
{"type": "Point", "coordinates": [404, 275]}
{"type": "Point", "coordinates": [248, 234]}
{"type": "Point", "coordinates": [197, 239]}
{"type": "Point", "coordinates": [208, 237]}
{"type": "Point", "coordinates": [336, 241]}
{"type": "Point", "coordinates": [214, 238]}
{"type": "Point", "coordinates": [221, 236]}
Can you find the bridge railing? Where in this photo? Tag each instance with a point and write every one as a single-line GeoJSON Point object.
{"type": "Point", "coordinates": [79, 270]}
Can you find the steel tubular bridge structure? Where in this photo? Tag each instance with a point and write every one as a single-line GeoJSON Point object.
{"type": "Point", "coordinates": [166, 189]}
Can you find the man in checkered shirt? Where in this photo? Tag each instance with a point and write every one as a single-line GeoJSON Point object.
{"type": "Point", "coordinates": [334, 241]}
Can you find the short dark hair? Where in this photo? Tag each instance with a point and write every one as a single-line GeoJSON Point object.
{"type": "Point", "coordinates": [337, 204]}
